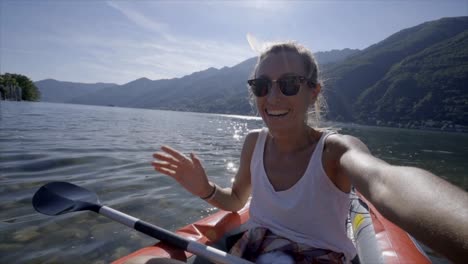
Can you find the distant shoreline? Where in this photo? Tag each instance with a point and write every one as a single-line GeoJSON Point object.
{"type": "Point", "coordinates": [413, 125]}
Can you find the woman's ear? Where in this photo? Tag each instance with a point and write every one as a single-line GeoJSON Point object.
{"type": "Point", "coordinates": [315, 90]}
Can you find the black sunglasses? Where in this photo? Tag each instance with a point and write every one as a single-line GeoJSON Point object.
{"type": "Point", "coordinates": [289, 85]}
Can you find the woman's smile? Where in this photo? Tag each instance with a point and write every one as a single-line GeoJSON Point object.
{"type": "Point", "coordinates": [277, 112]}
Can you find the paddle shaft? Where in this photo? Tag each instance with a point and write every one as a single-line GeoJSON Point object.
{"type": "Point", "coordinates": [196, 248]}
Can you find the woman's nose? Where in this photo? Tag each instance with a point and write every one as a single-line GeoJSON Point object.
{"type": "Point", "coordinates": [275, 93]}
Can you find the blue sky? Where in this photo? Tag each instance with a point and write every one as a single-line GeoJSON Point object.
{"type": "Point", "coordinates": [120, 41]}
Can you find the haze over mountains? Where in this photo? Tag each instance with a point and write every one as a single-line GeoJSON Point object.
{"type": "Point", "coordinates": [212, 90]}
{"type": "Point", "coordinates": [417, 77]}
{"type": "Point", "coordinates": [62, 92]}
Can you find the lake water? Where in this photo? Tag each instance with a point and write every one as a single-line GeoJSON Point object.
{"type": "Point", "coordinates": [108, 150]}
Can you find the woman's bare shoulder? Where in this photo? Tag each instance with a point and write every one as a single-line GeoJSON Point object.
{"type": "Point", "coordinates": [251, 137]}
{"type": "Point", "coordinates": [338, 144]}
{"type": "Point", "coordinates": [249, 144]}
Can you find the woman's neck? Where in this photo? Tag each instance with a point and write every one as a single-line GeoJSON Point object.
{"type": "Point", "coordinates": [295, 141]}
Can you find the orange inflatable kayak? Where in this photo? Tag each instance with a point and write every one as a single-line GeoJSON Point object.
{"type": "Point", "coordinates": [377, 240]}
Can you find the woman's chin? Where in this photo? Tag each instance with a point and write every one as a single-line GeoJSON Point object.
{"type": "Point", "coordinates": [279, 121]}
{"type": "Point", "coordinates": [278, 129]}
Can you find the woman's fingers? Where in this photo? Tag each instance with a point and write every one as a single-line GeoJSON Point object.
{"type": "Point", "coordinates": [176, 154]}
{"type": "Point", "coordinates": [163, 164]}
{"type": "Point", "coordinates": [168, 172]}
{"type": "Point", "coordinates": [165, 168]}
{"type": "Point", "coordinates": [166, 158]}
{"type": "Point", "coordinates": [175, 164]}
{"type": "Point", "coordinates": [195, 160]}
{"type": "Point", "coordinates": [187, 171]}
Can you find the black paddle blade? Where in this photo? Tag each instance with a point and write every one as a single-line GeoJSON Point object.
{"type": "Point", "coordinates": [57, 198]}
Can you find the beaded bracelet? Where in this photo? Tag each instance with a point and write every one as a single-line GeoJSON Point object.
{"type": "Point", "coordinates": [211, 195]}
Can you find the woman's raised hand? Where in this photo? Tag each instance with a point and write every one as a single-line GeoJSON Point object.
{"type": "Point", "coordinates": [189, 172]}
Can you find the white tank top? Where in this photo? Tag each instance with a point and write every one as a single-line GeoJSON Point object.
{"type": "Point", "coordinates": [312, 212]}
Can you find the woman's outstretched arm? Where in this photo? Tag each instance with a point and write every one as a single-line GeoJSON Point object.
{"type": "Point", "coordinates": [431, 209]}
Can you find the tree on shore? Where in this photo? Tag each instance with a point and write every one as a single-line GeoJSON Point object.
{"type": "Point", "coordinates": [29, 91]}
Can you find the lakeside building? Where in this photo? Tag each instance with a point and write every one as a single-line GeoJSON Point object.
{"type": "Point", "coordinates": [11, 92]}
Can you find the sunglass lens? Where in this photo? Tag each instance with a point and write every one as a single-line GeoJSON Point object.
{"type": "Point", "coordinates": [290, 86]}
{"type": "Point", "coordinates": [259, 87]}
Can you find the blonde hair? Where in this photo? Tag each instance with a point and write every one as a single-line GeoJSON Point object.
{"type": "Point", "coordinates": [318, 108]}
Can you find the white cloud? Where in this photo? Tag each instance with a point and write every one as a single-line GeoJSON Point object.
{"type": "Point", "coordinates": [265, 5]}
{"type": "Point", "coordinates": [122, 60]}
{"type": "Point", "coordinates": [140, 19]}
{"type": "Point", "coordinates": [123, 54]}
{"type": "Point", "coordinates": [156, 58]}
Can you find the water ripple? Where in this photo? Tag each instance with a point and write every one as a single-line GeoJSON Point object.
{"type": "Point", "coordinates": [108, 150]}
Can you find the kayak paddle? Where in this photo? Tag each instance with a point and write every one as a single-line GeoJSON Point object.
{"type": "Point", "coordinates": [58, 198]}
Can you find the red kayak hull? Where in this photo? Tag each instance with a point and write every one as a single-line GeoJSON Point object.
{"type": "Point", "coordinates": [390, 243]}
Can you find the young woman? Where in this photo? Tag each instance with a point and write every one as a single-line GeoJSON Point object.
{"type": "Point", "coordinates": [299, 177]}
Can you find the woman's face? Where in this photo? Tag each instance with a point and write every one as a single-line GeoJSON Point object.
{"type": "Point", "coordinates": [282, 113]}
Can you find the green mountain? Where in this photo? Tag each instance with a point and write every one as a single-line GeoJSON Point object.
{"type": "Point", "coordinates": [414, 78]}
{"type": "Point", "coordinates": [429, 88]}
{"type": "Point", "coordinates": [61, 92]}
{"type": "Point", "coordinates": [212, 90]}
{"type": "Point", "coordinates": [334, 56]}
{"type": "Point", "coordinates": [364, 88]}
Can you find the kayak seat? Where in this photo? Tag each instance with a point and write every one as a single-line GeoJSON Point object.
{"type": "Point", "coordinates": [224, 244]}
